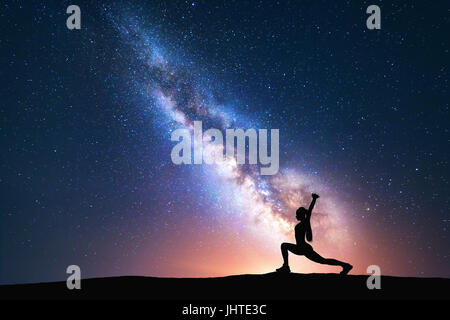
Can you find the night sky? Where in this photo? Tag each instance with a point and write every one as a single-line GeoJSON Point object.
{"type": "Point", "coordinates": [86, 118]}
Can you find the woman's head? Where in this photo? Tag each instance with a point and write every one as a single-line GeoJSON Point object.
{"type": "Point", "coordinates": [301, 213]}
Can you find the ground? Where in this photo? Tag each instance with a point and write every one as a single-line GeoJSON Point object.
{"type": "Point", "coordinates": [271, 286]}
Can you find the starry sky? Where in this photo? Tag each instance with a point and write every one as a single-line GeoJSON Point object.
{"type": "Point", "coordinates": [86, 118]}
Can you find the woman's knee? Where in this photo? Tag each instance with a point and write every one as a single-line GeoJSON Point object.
{"type": "Point", "coordinates": [284, 246]}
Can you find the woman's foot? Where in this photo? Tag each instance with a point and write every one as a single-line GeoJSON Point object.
{"type": "Point", "coordinates": [284, 269]}
{"type": "Point", "coordinates": [346, 268]}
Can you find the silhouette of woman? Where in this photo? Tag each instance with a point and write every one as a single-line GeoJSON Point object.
{"type": "Point", "coordinates": [301, 247]}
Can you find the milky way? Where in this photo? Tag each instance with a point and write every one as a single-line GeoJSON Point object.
{"type": "Point", "coordinates": [173, 86]}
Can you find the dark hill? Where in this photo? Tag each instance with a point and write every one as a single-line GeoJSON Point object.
{"type": "Point", "coordinates": [269, 286]}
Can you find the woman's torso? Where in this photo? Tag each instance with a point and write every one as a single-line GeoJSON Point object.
{"type": "Point", "coordinates": [300, 230]}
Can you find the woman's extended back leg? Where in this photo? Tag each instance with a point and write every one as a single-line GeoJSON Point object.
{"type": "Point", "coordinates": [314, 256]}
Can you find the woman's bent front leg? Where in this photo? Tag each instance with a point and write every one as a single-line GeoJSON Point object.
{"type": "Point", "coordinates": [285, 248]}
